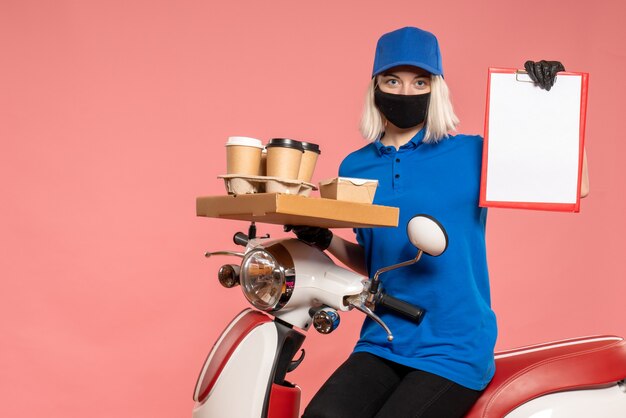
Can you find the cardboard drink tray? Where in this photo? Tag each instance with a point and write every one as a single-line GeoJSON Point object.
{"type": "Point", "coordinates": [285, 209]}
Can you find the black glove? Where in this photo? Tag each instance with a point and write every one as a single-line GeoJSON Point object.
{"type": "Point", "coordinates": [543, 72]}
{"type": "Point", "coordinates": [312, 235]}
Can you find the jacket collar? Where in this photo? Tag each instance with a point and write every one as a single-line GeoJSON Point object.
{"type": "Point", "coordinates": [413, 143]}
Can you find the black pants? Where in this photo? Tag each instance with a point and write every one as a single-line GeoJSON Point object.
{"type": "Point", "coordinates": [369, 386]}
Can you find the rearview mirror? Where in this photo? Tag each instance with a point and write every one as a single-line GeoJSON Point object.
{"type": "Point", "coordinates": [427, 234]}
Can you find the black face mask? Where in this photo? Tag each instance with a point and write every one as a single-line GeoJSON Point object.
{"type": "Point", "coordinates": [404, 111]}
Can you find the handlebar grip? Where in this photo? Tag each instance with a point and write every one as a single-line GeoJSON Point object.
{"type": "Point", "coordinates": [414, 313]}
{"type": "Point", "coordinates": [241, 239]}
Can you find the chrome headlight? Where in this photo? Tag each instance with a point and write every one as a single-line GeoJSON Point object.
{"type": "Point", "coordinates": [266, 282]}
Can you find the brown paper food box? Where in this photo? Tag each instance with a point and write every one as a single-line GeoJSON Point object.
{"type": "Point", "coordinates": [349, 189]}
{"type": "Point", "coordinates": [284, 209]}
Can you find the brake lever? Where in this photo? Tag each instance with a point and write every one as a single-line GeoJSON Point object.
{"type": "Point", "coordinates": [235, 253]}
{"type": "Point", "coordinates": [367, 311]}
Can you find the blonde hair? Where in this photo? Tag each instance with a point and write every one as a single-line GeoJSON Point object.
{"type": "Point", "coordinates": [440, 118]}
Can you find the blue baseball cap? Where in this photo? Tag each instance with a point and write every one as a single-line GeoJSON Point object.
{"type": "Point", "coordinates": [408, 46]}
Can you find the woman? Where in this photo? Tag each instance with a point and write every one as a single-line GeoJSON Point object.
{"type": "Point", "coordinates": [440, 367]}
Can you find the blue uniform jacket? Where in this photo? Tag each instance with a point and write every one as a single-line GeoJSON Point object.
{"type": "Point", "coordinates": [457, 335]}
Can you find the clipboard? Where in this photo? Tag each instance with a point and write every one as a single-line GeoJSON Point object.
{"type": "Point", "coordinates": [534, 141]}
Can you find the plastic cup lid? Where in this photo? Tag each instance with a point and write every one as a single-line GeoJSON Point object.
{"type": "Point", "coordinates": [285, 143]}
{"type": "Point", "coordinates": [244, 141]}
{"type": "Point", "coordinates": [309, 146]}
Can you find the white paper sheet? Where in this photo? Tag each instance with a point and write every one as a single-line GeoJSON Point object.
{"type": "Point", "coordinates": [533, 139]}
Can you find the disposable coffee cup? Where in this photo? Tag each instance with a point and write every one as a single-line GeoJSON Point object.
{"type": "Point", "coordinates": [243, 155]}
{"type": "Point", "coordinates": [263, 170]}
{"type": "Point", "coordinates": [309, 159]}
{"type": "Point", "coordinates": [283, 158]}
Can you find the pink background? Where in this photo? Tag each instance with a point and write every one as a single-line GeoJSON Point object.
{"type": "Point", "coordinates": [113, 119]}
